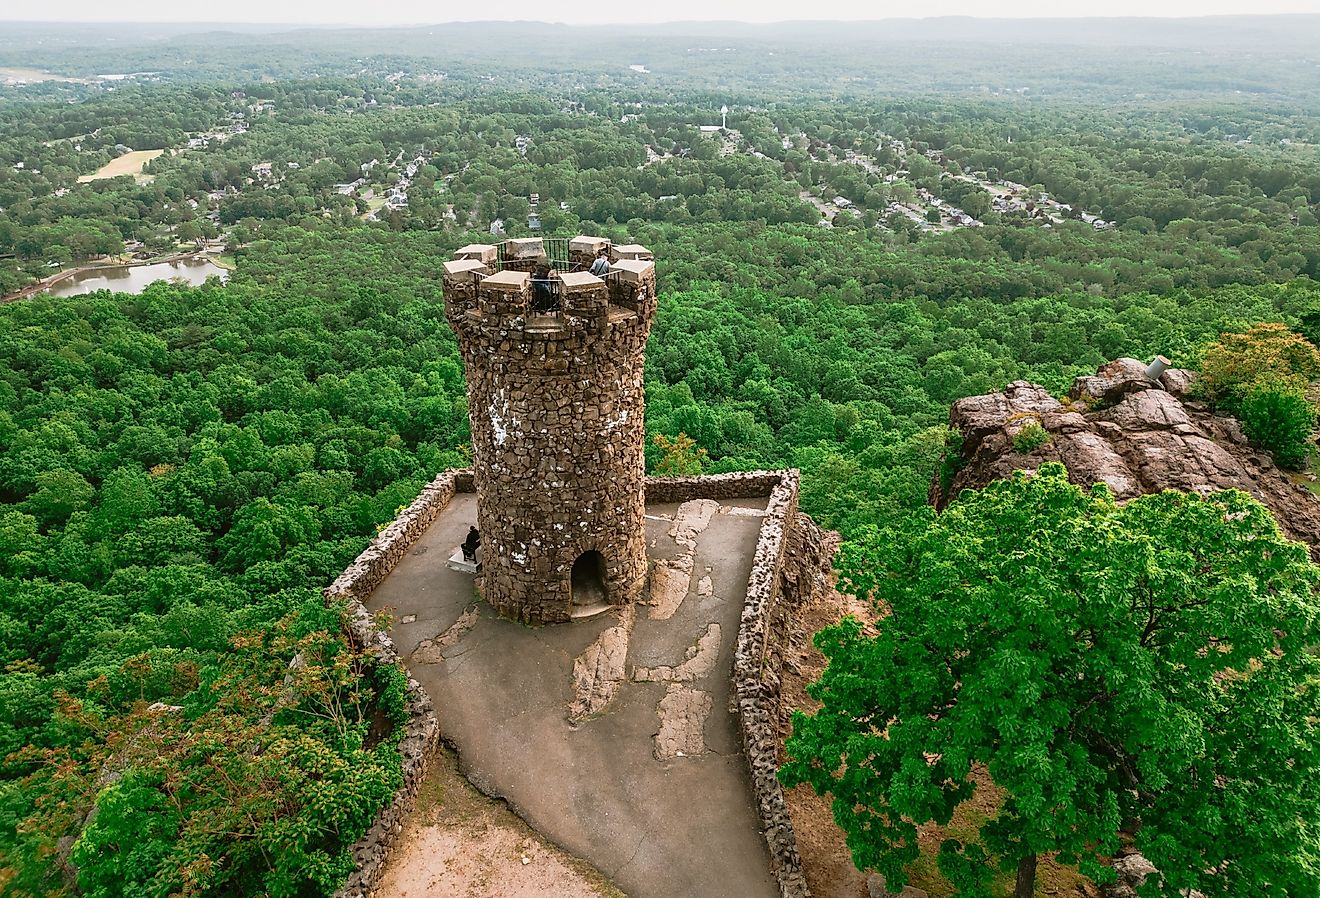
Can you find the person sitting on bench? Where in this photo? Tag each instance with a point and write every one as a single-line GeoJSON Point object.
{"type": "Point", "coordinates": [471, 544]}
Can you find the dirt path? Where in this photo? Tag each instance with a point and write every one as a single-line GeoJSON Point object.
{"type": "Point", "coordinates": [459, 844]}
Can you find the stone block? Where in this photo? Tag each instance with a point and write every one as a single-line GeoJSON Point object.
{"type": "Point", "coordinates": [480, 252]}
{"type": "Point", "coordinates": [462, 269]}
{"type": "Point", "coordinates": [524, 248]}
{"type": "Point", "coordinates": [505, 293]}
{"type": "Point", "coordinates": [579, 281]}
{"type": "Point", "coordinates": [585, 295]}
{"type": "Point", "coordinates": [506, 281]}
{"type": "Point", "coordinates": [633, 252]}
{"type": "Point", "coordinates": [583, 245]}
{"type": "Point", "coordinates": [633, 271]}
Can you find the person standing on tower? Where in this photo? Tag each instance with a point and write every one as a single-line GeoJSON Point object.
{"type": "Point", "coordinates": [601, 266]}
{"type": "Point", "coordinates": [545, 288]}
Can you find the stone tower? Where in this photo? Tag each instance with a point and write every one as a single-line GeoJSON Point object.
{"type": "Point", "coordinates": [556, 404]}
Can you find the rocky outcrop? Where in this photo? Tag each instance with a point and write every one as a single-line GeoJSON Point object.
{"type": "Point", "coordinates": [1133, 870]}
{"type": "Point", "coordinates": [1124, 429]}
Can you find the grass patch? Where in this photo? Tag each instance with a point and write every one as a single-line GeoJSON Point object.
{"type": "Point", "coordinates": [127, 164]}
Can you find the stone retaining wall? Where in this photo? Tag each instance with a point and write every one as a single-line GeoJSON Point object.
{"type": "Point", "coordinates": [422, 732]}
{"type": "Point", "coordinates": [391, 544]}
{"type": "Point", "coordinates": [421, 736]}
{"type": "Point", "coordinates": [739, 485]}
{"type": "Point", "coordinates": [788, 567]}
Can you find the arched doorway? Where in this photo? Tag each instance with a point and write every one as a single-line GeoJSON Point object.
{"type": "Point", "coordinates": [588, 581]}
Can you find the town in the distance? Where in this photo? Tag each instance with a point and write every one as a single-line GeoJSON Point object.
{"type": "Point", "coordinates": [850, 459]}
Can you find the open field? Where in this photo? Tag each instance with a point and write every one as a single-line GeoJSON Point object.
{"type": "Point", "coordinates": [11, 75]}
{"type": "Point", "coordinates": [127, 164]}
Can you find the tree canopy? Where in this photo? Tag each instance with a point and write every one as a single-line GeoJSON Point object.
{"type": "Point", "coordinates": [181, 469]}
{"type": "Point", "coordinates": [1140, 672]}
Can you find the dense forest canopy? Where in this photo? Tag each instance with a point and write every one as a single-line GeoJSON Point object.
{"type": "Point", "coordinates": [1056, 639]}
{"type": "Point", "coordinates": [874, 235]}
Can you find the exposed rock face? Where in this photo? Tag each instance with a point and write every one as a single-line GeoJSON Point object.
{"type": "Point", "coordinates": [1133, 870]}
{"type": "Point", "coordinates": [1135, 434]}
{"type": "Point", "coordinates": [599, 672]}
{"type": "Point", "coordinates": [556, 406]}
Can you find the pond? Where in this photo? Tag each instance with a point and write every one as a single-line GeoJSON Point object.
{"type": "Point", "coordinates": [136, 278]}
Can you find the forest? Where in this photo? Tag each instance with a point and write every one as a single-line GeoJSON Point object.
{"type": "Point", "coordinates": [182, 470]}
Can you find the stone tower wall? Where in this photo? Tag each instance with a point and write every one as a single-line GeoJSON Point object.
{"type": "Point", "coordinates": [557, 413]}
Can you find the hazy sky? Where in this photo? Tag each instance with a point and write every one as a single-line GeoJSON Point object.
{"type": "Point", "coordinates": [393, 12]}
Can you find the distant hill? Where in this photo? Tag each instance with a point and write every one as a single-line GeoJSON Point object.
{"type": "Point", "coordinates": [1263, 32]}
{"type": "Point", "coordinates": [1092, 58]}
{"type": "Point", "coordinates": [1242, 32]}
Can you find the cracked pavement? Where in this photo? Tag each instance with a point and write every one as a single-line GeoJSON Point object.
{"type": "Point", "coordinates": [646, 780]}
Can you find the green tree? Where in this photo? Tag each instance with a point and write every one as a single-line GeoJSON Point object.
{"type": "Point", "coordinates": [126, 498]}
{"type": "Point", "coordinates": [1142, 667]}
{"type": "Point", "coordinates": [681, 456]}
{"type": "Point", "coordinates": [1277, 416]}
{"type": "Point", "coordinates": [189, 231]}
{"type": "Point", "coordinates": [1237, 361]}
{"type": "Point", "coordinates": [238, 792]}
{"type": "Point", "coordinates": [21, 546]}
{"type": "Point", "coordinates": [1262, 376]}
{"type": "Point", "coordinates": [59, 494]}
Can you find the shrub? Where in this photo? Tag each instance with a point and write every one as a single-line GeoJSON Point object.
{"type": "Point", "coordinates": [682, 457]}
{"type": "Point", "coordinates": [1277, 416]}
{"type": "Point", "coordinates": [1030, 438]}
{"type": "Point", "coordinates": [1262, 377]}
{"type": "Point", "coordinates": [1266, 352]}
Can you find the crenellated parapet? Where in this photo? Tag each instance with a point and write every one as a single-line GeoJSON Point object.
{"type": "Point", "coordinates": [555, 398]}
{"type": "Point", "coordinates": [489, 289]}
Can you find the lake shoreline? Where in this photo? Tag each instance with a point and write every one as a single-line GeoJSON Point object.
{"type": "Point", "coordinates": [45, 284]}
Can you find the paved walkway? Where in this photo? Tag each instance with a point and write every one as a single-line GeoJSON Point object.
{"type": "Point", "coordinates": [612, 735]}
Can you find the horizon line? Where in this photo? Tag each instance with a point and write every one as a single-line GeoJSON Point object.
{"type": "Point", "coordinates": [634, 24]}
